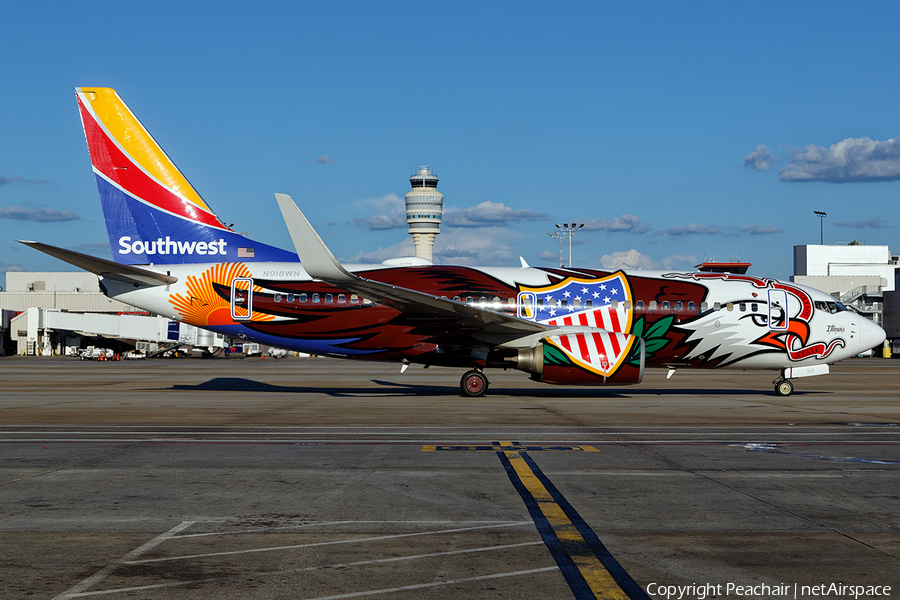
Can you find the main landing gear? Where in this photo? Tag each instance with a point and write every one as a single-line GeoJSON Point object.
{"type": "Point", "coordinates": [783, 387]}
{"type": "Point", "coordinates": [473, 384]}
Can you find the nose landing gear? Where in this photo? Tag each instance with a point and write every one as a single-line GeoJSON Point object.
{"type": "Point", "coordinates": [784, 387]}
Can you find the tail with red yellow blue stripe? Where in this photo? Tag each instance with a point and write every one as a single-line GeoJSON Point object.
{"type": "Point", "coordinates": [153, 214]}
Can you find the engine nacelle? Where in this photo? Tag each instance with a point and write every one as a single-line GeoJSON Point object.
{"type": "Point", "coordinates": [589, 358]}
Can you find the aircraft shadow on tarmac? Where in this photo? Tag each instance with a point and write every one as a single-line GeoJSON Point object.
{"type": "Point", "coordinates": [391, 388]}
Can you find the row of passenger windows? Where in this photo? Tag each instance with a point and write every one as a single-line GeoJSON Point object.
{"type": "Point", "coordinates": [317, 298]}
{"type": "Point", "coordinates": [498, 303]}
{"type": "Point", "coordinates": [677, 306]}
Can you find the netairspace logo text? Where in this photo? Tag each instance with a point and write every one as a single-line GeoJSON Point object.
{"type": "Point", "coordinates": [701, 591]}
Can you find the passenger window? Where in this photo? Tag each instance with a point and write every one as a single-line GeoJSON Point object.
{"type": "Point", "coordinates": [754, 307]}
{"type": "Point", "coordinates": [679, 306]}
{"type": "Point", "coordinates": [328, 298]}
{"type": "Point", "coordinates": [290, 298]}
{"type": "Point", "coordinates": [303, 298]}
{"type": "Point", "coordinates": [665, 305]}
{"type": "Point", "coordinates": [354, 299]}
{"type": "Point", "coordinates": [743, 306]}
{"type": "Point", "coordinates": [564, 303]}
{"type": "Point", "coordinates": [640, 305]}
{"type": "Point", "coordinates": [456, 299]}
{"type": "Point", "coordinates": [589, 303]}
{"type": "Point", "coordinates": [626, 305]}
{"type": "Point", "coordinates": [729, 307]}
{"type": "Point", "coordinates": [277, 297]}
{"type": "Point", "coordinates": [576, 303]}
{"type": "Point", "coordinates": [717, 306]}
{"type": "Point", "coordinates": [692, 307]}
{"type": "Point", "coordinates": [652, 305]}
{"type": "Point", "coordinates": [315, 299]}
{"type": "Point", "coordinates": [614, 304]}
{"type": "Point", "coordinates": [342, 299]}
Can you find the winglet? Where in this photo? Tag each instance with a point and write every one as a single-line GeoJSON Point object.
{"type": "Point", "coordinates": [314, 255]}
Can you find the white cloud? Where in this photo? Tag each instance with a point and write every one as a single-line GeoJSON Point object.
{"type": "Point", "coordinates": [548, 256]}
{"type": "Point", "coordinates": [693, 229]}
{"type": "Point", "coordinates": [323, 160]}
{"type": "Point", "coordinates": [851, 160]}
{"type": "Point", "coordinates": [392, 212]}
{"type": "Point", "coordinates": [678, 261]}
{"type": "Point", "coordinates": [627, 223]}
{"type": "Point", "coordinates": [874, 223]}
{"type": "Point", "coordinates": [757, 230]}
{"type": "Point", "coordinates": [7, 267]}
{"type": "Point", "coordinates": [43, 215]}
{"type": "Point", "coordinates": [486, 246]}
{"type": "Point", "coordinates": [404, 248]}
{"type": "Point", "coordinates": [19, 179]}
{"type": "Point", "coordinates": [632, 259]}
{"type": "Point", "coordinates": [761, 159]}
{"type": "Point", "coordinates": [382, 221]}
{"type": "Point", "coordinates": [488, 214]}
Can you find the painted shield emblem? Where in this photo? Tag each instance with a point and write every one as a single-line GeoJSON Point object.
{"type": "Point", "coordinates": [599, 304]}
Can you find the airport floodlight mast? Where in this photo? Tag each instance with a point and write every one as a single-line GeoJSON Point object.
{"type": "Point", "coordinates": [567, 230]}
{"type": "Point", "coordinates": [821, 216]}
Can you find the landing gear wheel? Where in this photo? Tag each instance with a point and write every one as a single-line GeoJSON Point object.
{"type": "Point", "coordinates": [784, 387]}
{"type": "Point", "coordinates": [473, 384]}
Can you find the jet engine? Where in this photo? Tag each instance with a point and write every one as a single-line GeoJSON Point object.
{"type": "Point", "coordinates": [589, 358]}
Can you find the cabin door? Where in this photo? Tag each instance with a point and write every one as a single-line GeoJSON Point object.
{"type": "Point", "coordinates": [241, 298]}
{"type": "Point", "coordinates": [527, 305]}
{"type": "Point", "coordinates": [778, 310]}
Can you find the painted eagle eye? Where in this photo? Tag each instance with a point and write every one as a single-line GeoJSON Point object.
{"type": "Point", "coordinates": [760, 320]}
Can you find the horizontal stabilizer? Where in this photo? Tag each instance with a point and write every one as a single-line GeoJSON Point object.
{"type": "Point", "coordinates": [104, 268]}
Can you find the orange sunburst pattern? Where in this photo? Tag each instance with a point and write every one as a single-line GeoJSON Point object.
{"type": "Point", "coordinates": [203, 306]}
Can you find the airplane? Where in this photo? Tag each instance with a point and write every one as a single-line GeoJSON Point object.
{"type": "Point", "coordinates": [569, 326]}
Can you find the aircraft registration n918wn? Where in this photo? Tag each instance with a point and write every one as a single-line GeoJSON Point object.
{"type": "Point", "coordinates": [174, 257]}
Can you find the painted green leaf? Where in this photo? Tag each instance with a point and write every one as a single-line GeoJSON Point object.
{"type": "Point", "coordinates": [659, 329]}
{"type": "Point", "coordinates": [655, 345]}
{"type": "Point", "coordinates": [553, 356]}
{"type": "Point", "coordinates": [638, 328]}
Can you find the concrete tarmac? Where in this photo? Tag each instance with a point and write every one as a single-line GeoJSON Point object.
{"type": "Point", "coordinates": [318, 478]}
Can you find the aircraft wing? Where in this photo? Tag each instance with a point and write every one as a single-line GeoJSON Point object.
{"type": "Point", "coordinates": [321, 264]}
{"type": "Point", "coordinates": [104, 268]}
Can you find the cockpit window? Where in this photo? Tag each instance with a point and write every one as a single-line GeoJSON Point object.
{"type": "Point", "coordinates": [830, 307]}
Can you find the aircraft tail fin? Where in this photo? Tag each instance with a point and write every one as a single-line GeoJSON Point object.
{"type": "Point", "coordinates": [153, 214]}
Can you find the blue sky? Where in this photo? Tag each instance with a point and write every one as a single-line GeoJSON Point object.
{"type": "Point", "coordinates": [675, 131]}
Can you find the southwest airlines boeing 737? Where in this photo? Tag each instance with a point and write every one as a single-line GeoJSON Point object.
{"type": "Point", "coordinates": [174, 257]}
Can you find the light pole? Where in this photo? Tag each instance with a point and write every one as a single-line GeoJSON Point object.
{"type": "Point", "coordinates": [567, 230]}
{"type": "Point", "coordinates": [821, 216]}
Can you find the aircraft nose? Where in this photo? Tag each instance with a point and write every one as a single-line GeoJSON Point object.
{"type": "Point", "coordinates": [870, 335]}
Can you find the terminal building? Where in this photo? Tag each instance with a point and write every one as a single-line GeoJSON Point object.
{"type": "Point", "coordinates": [856, 274]}
{"type": "Point", "coordinates": [44, 314]}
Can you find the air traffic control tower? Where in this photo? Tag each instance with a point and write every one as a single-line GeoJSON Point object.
{"type": "Point", "coordinates": [424, 207]}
